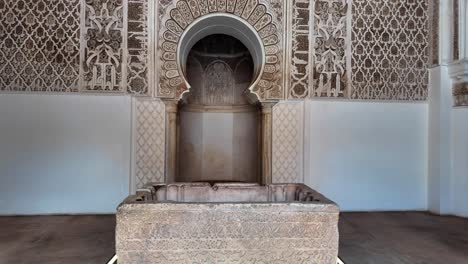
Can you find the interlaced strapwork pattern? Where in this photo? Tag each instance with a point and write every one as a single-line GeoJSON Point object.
{"type": "Point", "coordinates": [390, 49]}
{"type": "Point", "coordinates": [39, 45]}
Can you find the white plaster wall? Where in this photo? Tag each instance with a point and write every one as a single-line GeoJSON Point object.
{"type": "Point", "coordinates": [459, 179]}
{"type": "Point", "coordinates": [439, 152]}
{"type": "Point", "coordinates": [218, 146]}
{"type": "Point", "coordinates": [63, 153]}
{"type": "Point", "coordinates": [368, 155]}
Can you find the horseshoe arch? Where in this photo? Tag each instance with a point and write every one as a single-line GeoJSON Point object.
{"type": "Point", "coordinates": [188, 21]}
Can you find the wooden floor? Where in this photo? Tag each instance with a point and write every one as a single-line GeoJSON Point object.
{"type": "Point", "coordinates": [380, 238]}
{"type": "Point", "coordinates": [413, 238]}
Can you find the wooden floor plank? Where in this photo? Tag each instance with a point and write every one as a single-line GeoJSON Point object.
{"type": "Point", "coordinates": [374, 238]}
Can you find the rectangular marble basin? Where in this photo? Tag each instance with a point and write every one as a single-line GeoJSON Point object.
{"type": "Point", "coordinates": [227, 223]}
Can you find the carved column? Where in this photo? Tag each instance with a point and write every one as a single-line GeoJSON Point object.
{"type": "Point", "coordinates": [267, 141]}
{"type": "Point", "coordinates": [171, 140]}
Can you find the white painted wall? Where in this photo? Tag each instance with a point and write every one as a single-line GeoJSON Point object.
{"type": "Point", "coordinates": [440, 156]}
{"type": "Point", "coordinates": [368, 155]}
{"type": "Point", "coordinates": [63, 153]}
{"type": "Point", "coordinates": [459, 179]}
{"type": "Point", "coordinates": [71, 153]}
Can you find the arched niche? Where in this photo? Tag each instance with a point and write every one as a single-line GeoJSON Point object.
{"type": "Point", "coordinates": [186, 22]}
{"type": "Point", "coordinates": [219, 128]}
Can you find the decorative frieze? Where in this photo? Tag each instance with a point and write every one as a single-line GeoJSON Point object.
{"type": "Point", "coordinates": [39, 45]}
{"type": "Point", "coordinates": [138, 57]}
{"type": "Point", "coordinates": [148, 156]}
{"type": "Point", "coordinates": [330, 50]}
{"type": "Point", "coordinates": [102, 35]}
{"type": "Point", "coordinates": [390, 50]}
{"type": "Point", "coordinates": [434, 7]}
{"type": "Point", "coordinates": [300, 52]}
{"type": "Point", "coordinates": [288, 142]}
{"type": "Point", "coordinates": [456, 30]}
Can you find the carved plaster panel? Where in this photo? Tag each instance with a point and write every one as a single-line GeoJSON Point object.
{"type": "Point", "coordinates": [331, 48]}
{"type": "Point", "coordinates": [456, 30]}
{"type": "Point", "coordinates": [390, 49]}
{"type": "Point", "coordinates": [148, 157]}
{"type": "Point", "coordinates": [39, 45]}
{"type": "Point", "coordinates": [102, 36]}
{"type": "Point", "coordinates": [288, 142]}
{"type": "Point", "coordinates": [182, 13]}
{"type": "Point", "coordinates": [434, 7]}
{"type": "Point", "coordinates": [300, 52]}
{"type": "Point", "coordinates": [460, 94]}
{"type": "Point", "coordinates": [138, 58]}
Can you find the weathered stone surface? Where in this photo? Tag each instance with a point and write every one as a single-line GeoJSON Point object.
{"type": "Point", "coordinates": [228, 223]}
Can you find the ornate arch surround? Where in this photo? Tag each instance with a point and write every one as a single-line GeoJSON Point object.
{"type": "Point", "coordinates": [188, 21]}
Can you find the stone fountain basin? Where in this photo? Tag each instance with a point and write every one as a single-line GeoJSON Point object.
{"type": "Point", "coordinates": [227, 223]}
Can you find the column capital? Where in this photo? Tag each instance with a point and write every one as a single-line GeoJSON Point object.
{"type": "Point", "coordinates": [171, 105]}
{"type": "Point", "coordinates": [267, 107]}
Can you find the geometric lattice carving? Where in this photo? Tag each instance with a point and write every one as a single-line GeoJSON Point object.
{"type": "Point", "coordinates": [184, 12]}
{"type": "Point", "coordinates": [148, 141]}
{"type": "Point", "coordinates": [300, 69]}
{"type": "Point", "coordinates": [39, 45]}
{"type": "Point", "coordinates": [288, 142]}
{"type": "Point", "coordinates": [434, 32]}
{"type": "Point", "coordinates": [330, 48]}
{"type": "Point", "coordinates": [103, 35]}
{"type": "Point", "coordinates": [390, 49]}
{"type": "Point", "coordinates": [137, 47]}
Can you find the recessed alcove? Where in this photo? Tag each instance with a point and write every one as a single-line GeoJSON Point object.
{"type": "Point", "coordinates": [218, 138]}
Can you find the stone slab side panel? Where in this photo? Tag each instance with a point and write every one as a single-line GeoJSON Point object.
{"type": "Point", "coordinates": [218, 234]}
{"type": "Point", "coordinates": [148, 157]}
{"type": "Point", "coordinates": [390, 50]}
{"type": "Point", "coordinates": [288, 142]}
{"type": "Point", "coordinates": [39, 45]}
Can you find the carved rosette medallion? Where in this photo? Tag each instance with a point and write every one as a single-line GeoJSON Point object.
{"type": "Point", "coordinates": [103, 35]}
{"type": "Point", "coordinates": [183, 13]}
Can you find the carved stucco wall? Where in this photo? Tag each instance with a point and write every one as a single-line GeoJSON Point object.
{"type": "Point", "coordinates": [148, 157]}
{"type": "Point", "coordinates": [390, 50]}
{"type": "Point", "coordinates": [331, 48]}
{"type": "Point", "coordinates": [288, 142]}
{"type": "Point", "coordinates": [39, 45]}
{"type": "Point", "coordinates": [181, 15]}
